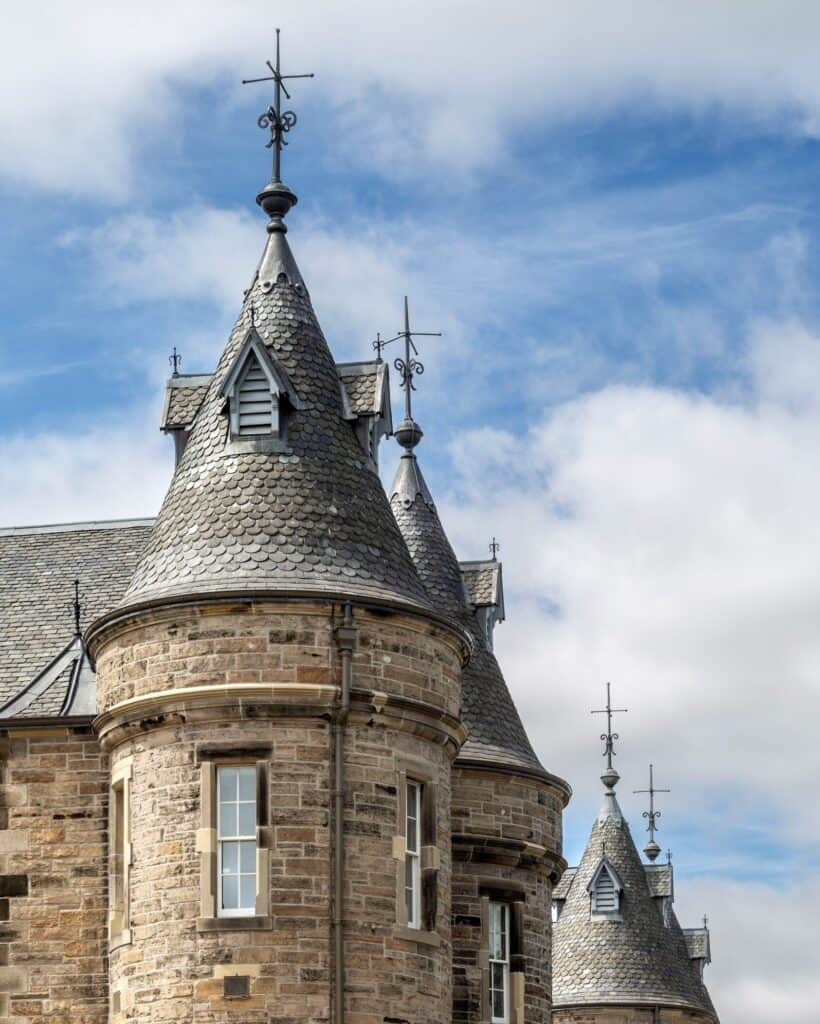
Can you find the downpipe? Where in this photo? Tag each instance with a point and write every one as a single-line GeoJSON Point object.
{"type": "Point", "coordinates": [345, 636]}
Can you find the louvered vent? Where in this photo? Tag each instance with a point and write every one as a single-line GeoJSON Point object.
{"type": "Point", "coordinates": [255, 400]}
{"type": "Point", "coordinates": [606, 899]}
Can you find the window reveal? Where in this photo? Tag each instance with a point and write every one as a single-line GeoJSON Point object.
{"type": "Point", "coordinates": [499, 921]}
{"type": "Point", "coordinates": [412, 876]}
{"type": "Point", "coordinates": [236, 840]}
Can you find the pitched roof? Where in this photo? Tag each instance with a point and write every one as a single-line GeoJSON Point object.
{"type": "Point", "coordinates": [364, 384]}
{"type": "Point", "coordinates": [638, 960]}
{"type": "Point", "coordinates": [38, 566]}
{"type": "Point", "coordinates": [309, 520]}
{"type": "Point", "coordinates": [183, 397]}
{"type": "Point", "coordinates": [483, 582]}
{"type": "Point", "coordinates": [496, 734]}
{"type": "Point", "coordinates": [697, 943]}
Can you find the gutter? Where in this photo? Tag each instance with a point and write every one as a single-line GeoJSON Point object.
{"type": "Point", "coordinates": [345, 636]}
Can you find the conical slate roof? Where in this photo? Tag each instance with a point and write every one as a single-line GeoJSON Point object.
{"type": "Point", "coordinates": [637, 960]}
{"type": "Point", "coordinates": [311, 519]}
{"type": "Point", "coordinates": [496, 735]}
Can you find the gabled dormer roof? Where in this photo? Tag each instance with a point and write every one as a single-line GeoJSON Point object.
{"type": "Point", "coordinates": [183, 397]}
{"type": "Point", "coordinates": [366, 387]}
{"type": "Point", "coordinates": [483, 581]}
{"type": "Point", "coordinates": [605, 865]}
{"type": "Point", "coordinates": [270, 363]}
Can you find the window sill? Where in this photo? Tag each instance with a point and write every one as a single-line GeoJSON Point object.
{"type": "Point", "coordinates": [123, 938]}
{"type": "Point", "coordinates": [234, 924]}
{"type": "Point", "coordinates": [417, 935]}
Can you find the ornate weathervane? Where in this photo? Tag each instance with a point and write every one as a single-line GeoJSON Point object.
{"type": "Point", "coordinates": [652, 849]}
{"type": "Point", "coordinates": [408, 367]}
{"type": "Point", "coordinates": [495, 547]}
{"type": "Point", "coordinates": [278, 121]}
{"type": "Point", "coordinates": [609, 736]}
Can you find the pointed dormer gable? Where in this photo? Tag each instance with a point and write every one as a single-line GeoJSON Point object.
{"type": "Point", "coordinates": [605, 890]}
{"type": "Point", "coordinates": [259, 397]}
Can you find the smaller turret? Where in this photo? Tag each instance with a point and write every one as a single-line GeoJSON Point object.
{"type": "Point", "coordinates": [616, 939]}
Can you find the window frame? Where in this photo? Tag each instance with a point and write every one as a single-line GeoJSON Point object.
{"type": "Point", "coordinates": [210, 758]}
{"type": "Point", "coordinates": [239, 839]}
{"type": "Point", "coordinates": [503, 960]}
{"type": "Point", "coordinates": [412, 870]}
{"type": "Point", "coordinates": [119, 854]}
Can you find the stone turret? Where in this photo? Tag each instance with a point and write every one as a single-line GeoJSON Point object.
{"type": "Point", "coordinates": [281, 707]}
{"type": "Point", "coordinates": [618, 950]}
{"type": "Point", "coordinates": [506, 809]}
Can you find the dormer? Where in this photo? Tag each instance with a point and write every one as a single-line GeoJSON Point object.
{"type": "Point", "coordinates": [485, 594]}
{"type": "Point", "coordinates": [660, 879]}
{"type": "Point", "coordinates": [259, 399]}
{"type": "Point", "coordinates": [698, 947]}
{"type": "Point", "coordinates": [605, 891]}
{"type": "Point", "coordinates": [365, 390]}
{"type": "Point", "coordinates": [184, 394]}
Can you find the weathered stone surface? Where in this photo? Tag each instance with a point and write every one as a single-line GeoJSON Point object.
{"type": "Point", "coordinates": [53, 878]}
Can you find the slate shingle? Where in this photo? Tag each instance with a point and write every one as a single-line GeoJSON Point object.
{"type": "Point", "coordinates": [496, 734]}
{"type": "Point", "coordinates": [313, 519]}
{"type": "Point", "coordinates": [636, 960]}
{"type": "Point", "coordinates": [38, 566]}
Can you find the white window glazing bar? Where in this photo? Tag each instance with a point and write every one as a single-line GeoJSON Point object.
{"type": "Point", "coordinates": [236, 841]}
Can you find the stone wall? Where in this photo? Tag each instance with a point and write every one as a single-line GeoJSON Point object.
{"type": "Point", "coordinates": [53, 877]}
{"type": "Point", "coordinates": [181, 684]}
{"type": "Point", "coordinates": [506, 845]}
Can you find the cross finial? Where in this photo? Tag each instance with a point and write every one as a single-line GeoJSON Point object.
{"type": "Point", "coordinates": [378, 346]}
{"type": "Point", "coordinates": [409, 367]}
{"type": "Point", "coordinates": [274, 118]}
{"type": "Point", "coordinates": [76, 608]}
{"type": "Point", "coordinates": [176, 361]}
{"type": "Point", "coordinates": [495, 547]}
{"type": "Point", "coordinates": [652, 849]}
{"type": "Point", "coordinates": [609, 736]}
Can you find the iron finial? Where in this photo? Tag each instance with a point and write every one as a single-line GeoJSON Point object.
{"type": "Point", "coordinates": [278, 121]}
{"type": "Point", "coordinates": [652, 849]}
{"type": "Point", "coordinates": [176, 361]}
{"type": "Point", "coordinates": [378, 346]}
{"type": "Point", "coordinates": [495, 547]}
{"type": "Point", "coordinates": [75, 605]}
{"type": "Point", "coordinates": [408, 433]}
{"type": "Point", "coordinates": [609, 738]}
{"type": "Point", "coordinates": [668, 856]}
{"type": "Point", "coordinates": [705, 922]}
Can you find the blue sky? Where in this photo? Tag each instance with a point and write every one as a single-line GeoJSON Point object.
{"type": "Point", "coordinates": [612, 215]}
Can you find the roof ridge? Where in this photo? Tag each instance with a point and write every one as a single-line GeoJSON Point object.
{"type": "Point", "coordinates": [90, 524]}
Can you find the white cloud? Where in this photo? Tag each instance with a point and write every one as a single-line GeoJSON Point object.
{"type": "Point", "coordinates": [419, 82]}
{"type": "Point", "coordinates": [667, 542]}
{"type": "Point", "coordinates": [763, 947]}
{"type": "Point", "coordinates": [114, 471]}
